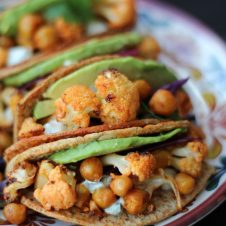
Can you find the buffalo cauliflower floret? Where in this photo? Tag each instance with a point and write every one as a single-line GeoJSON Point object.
{"type": "Point", "coordinates": [21, 177]}
{"type": "Point", "coordinates": [140, 165]}
{"type": "Point", "coordinates": [45, 168]}
{"type": "Point", "coordinates": [117, 14]}
{"type": "Point", "coordinates": [187, 165]}
{"type": "Point", "coordinates": [30, 128]}
{"type": "Point", "coordinates": [59, 193]}
{"type": "Point", "coordinates": [119, 96]}
{"type": "Point", "coordinates": [189, 159]}
{"type": "Point", "coordinates": [196, 149]}
{"type": "Point", "coordinates": [76, 105]}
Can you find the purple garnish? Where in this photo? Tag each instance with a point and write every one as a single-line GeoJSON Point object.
{"type": "Point", "coordinates": [129, 52]}
{"type": "Point", "coordinates": [174, 86]}
{"type": "Point", "coordinates": [2, 164]}
{"type": "Point", "coordinates": [2, 185]}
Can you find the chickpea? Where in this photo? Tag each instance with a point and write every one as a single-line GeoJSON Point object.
{"type": "Point", "coordinates": [149, 48]}
{"type": "Point", "coordinates": [183, 103]}
{"type": "Point", "coordinates": [104, 197]}
{"type": "Point", "coordinates": [91, 169]}
{"type": "Point", "coordinates": [82, 194]}
{"type": "Point", "coordinates": [15, 213]}
{"type": "Point", "coordinates": [3, 56]}
{"type": "Point", "coordinates": [120, 185]}
{"type": "Point", "coordinates": [163, 102]}
{"type": "Point", "coordinates": [163, 159]}
{"type": "Point", "coordinates": [136, 201]}
{"type": "Point", "coordinates": [185, 183]}
{"type": "Point", "coordinates": [144, 88]}
{"type": "Point", "coordinates": [6, 42]}
{"type": "Point", "coordinates": [45, 38]}
{"type": "Point", "coordinates": [27, 27]}
{"type": "Point", "coordinates": [67, 31]}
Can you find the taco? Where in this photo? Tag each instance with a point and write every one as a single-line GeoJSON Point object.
{"type": "Point", "coordinates": [39, 104]}
{"type": "Point", "coordinates": [19, 80]}
{"type": "Point", "coordinates": [110, 177]}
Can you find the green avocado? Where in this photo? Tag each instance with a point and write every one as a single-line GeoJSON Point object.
{"type": "Point", "coordinates": [154, 73]}
{"type": "Point", "coordinates": [43, 109]}
{"type": "Point", "coordinates": [94, 47]}
{"type": "Point", "coordinates": [104, 147]}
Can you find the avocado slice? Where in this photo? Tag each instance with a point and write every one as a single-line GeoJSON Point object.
{"type": "Point", "coordinates": [43, 109]}
{"type": "Point", "coordinates": [104, 147]}
{"type": "Point", "coordinates": [94, 47]}
{"type": "Point", "coordinates": [154, 73]}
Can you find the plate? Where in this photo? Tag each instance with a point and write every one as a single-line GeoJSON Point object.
{"type": "Point", "coordinates": [190, 49]}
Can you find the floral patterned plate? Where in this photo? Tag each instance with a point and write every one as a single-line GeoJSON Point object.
{"type": "Point", "coordinates": [191, 50]}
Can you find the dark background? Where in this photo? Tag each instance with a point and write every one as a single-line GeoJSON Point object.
{"type": "Point", "coordinates": [213, 14]}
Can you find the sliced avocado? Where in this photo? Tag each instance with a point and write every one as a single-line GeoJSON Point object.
{"type": "Point", "coordinates": [104, 147]}
{"type": "Point", "coordinates": [43, 109]}
{"type": "Point", "coordinates": [151, 71]}
{"type": "Point", "coordinates": [94, 47]}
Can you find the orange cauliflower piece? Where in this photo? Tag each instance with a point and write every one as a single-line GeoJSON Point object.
{"type": "Point", "coordinates": [30, 128]}
{"type": "Point", "coordinates": [76, 105]}
{"type": "Point", "coordinates": [118, 14]}
{"type": "Point", "coordinates": [195, 149]}
{"type": "Point", "coordinates": [119, 96]}
{"type": "Point", "coordinates": [140, 165]}
{"type": "Point", "coordinates": [187, 165]}
{"type": "Point", "coordinates": [59, 193]}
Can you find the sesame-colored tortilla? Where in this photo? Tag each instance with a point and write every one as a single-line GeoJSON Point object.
{"type": "Point", "coordinates": [164, 206]}
{"type": "Point", "coordinates": [46, 148]}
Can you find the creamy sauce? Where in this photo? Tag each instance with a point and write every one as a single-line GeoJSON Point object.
{"type": "Point", "coordinates": [115, 208]}
{"type": "Point", "coordinates": [54, 127]}
{"type": "Point", "coordinates": [20, 175]}
{"type": "Point", "coordinates": [67, 63]}
{"type": "Point", "coordinates": [92, 186]}
{"type": "Point", "coordinates": [96, 27]}
{"type": "Point", "coordinates": [18, 54]}
{"type": "Point", "coordinates": [8, 114]}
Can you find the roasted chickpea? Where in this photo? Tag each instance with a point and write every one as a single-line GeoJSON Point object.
{"type": "Point", "coordinates": [91, 169]}
{"type": "Point", "coordinates": [163, 159]}
{"type": "Point", "coordinates": [120, 185]}
{"type": "Point", "coordinates": [163, 102]}
{"type": "Point", "coordinates": [136, 201]}
{"type": "Point", "coordinates": [27, 27]}
{"type": "Point", "coordinates": [104, 197]}
{"type": "Point", "coordinates": [144, 88]}
{"type": "Point", "coordinates": [185, 183]}
{"type": "Point", "coordinates": [183, 103]}
{"type": "Point", "coordinates": [149, 48]}
{"type": "Point", "coordinates": [83, 195]}
{"type": "Point", "coordinates": [15, 213]}
{"type": "Point", "coordinates": [3, 56]}
{"type": "Point", "coordinates": [45, 38]}
{"type": "Point", "coordinates": [67, 31]}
